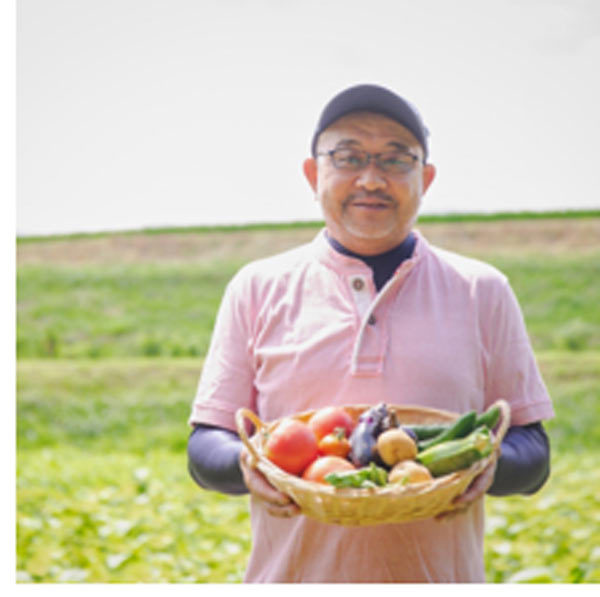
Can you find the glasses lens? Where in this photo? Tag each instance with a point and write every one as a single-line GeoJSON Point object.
{"type": "Point", "coordinates": [395, 161]}
{"type": "Point", "coordinates": [349, 159]}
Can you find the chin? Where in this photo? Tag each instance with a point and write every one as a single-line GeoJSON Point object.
{"type": "Point", "coordinates": [370, 233]}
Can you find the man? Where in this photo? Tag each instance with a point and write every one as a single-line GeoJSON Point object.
{"type": "Point", "coordinates": [368, 312]}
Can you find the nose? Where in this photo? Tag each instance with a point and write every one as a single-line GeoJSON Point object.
{"type": "Point", "coordinates": [371, 178]}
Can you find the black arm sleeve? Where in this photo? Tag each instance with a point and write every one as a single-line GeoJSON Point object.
{"type": "Point", "coordinates": [213, 459]}
{"type": "Point", "coordinates": [524, 463]}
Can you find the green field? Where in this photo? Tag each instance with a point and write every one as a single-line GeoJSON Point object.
{"type": "Point", "coordinates": [109, 352]}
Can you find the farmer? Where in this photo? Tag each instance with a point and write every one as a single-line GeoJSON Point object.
{"type": "Point", "coordinates": [367, 312]}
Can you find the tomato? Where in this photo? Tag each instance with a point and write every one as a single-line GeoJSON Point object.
{"type": "Point", "coordinates": [322, 466]}
{"type": "Point", "coordinates": [292, 446]}
{"type": "Point", "coordinates": [335, 444]}
{"type": "Point", "coordinates": [327, 420]}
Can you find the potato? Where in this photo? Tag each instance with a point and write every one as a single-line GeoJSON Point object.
{"type": "Point", "coordinates": [409, 471]}
{"type": "Point", "coordinates": [395, 445]}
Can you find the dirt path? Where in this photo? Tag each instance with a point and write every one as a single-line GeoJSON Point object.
{"type": "Point", "coordinates": [541, 236]}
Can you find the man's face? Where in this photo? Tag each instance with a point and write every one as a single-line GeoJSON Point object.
{"type": "Point", "coordinates": [369, 211]}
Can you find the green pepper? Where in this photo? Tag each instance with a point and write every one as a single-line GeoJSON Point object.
{"type": "Point", "coordinates": [489, 418]}
{"type": "Point", "coordinates": [460, 428]}
{"type": "Point", "coordinates": [368, 476]}
{"type": "Point", "coordinates": [457, 454]}
{"type": "Point", "coordinates": [424, 432]}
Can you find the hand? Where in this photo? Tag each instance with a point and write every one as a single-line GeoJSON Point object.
{"type": "Point", "coordinates": [276, 502]}
{"type": "Point", "coordinates": [477, 489]}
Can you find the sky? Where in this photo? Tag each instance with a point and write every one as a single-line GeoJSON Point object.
{"type": "Point", "coordinates": [152, 113]}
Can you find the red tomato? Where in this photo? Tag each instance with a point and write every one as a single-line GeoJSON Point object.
{"type": "Point", "coordinates": [327, 420]}
{"type": "Point", "coordinates": [335, 444]}
{"type": "Point", "coordinates": [322, 466]}
{"type": "Point", "coordinates": [292, 446]}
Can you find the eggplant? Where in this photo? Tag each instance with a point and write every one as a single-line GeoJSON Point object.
{"type": "Point", "coordinates": [363, 440]}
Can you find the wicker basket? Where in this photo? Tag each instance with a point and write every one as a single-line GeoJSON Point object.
{"type": "Point", "coordinates": [381, 505]}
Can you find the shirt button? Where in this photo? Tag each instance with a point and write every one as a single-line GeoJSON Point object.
{"type": "Point", "coordinates": [358, 283]}
{"type": "Point", "coordinates": [372, 319]}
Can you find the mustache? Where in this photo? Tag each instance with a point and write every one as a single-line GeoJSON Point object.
{"type": "Point", "coordinates": [369, 196]}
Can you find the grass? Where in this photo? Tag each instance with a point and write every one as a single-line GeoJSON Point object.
{"type": "Point", "coordinates": [118, 311]}
{"type": "Point", "coordinates": [118, 516]}
{"type": "Point", "coordinates": [103, 489]}
{"type": "Point", "coordinates": [558, 298]}
{"type": "Point", "coordinates": [94, 405]}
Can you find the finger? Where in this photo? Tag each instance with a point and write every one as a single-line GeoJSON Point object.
{"type": "Point", "coordinates": [277, 502]}
{"type": "Point", "coordinates": [246, 459]}
{"type": "Point", "coordinates": [260, 487]}
{"type": "Point", "coordinates": [286, 511]}
{"type": "Point", "coordinates": [258, 484]}
{"type": "Point", "coordinates": [474, 491]}
{"type": "Point", "coordinates": [478, 486]}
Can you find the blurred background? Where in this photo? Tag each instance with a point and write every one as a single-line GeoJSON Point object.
{"type": "Point", "coordinates": [146, 113]}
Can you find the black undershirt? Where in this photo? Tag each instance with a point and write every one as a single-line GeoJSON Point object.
{"type": "Point", "coordinates": [385, 264]}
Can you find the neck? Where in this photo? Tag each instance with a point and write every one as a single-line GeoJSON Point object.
{"type": "Point", "coordinates": [383, 264]}
{"type": "Point", "coordinates": [370, 251]}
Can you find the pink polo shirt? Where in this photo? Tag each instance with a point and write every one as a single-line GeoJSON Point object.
{"type": "Point", "coordinates": [306, 329]}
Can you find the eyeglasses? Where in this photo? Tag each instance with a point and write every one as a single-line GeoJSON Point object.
{"type": "Point", "coordinates": [354, 160]}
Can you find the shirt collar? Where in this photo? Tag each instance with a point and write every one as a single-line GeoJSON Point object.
{"type": "Point", "coordinates": [398, 254]}
{"type": "Point", "coordinates": [329, 256]}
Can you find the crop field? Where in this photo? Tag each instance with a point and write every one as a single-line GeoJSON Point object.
{"type": "Point", "coordinates": [111, 334]}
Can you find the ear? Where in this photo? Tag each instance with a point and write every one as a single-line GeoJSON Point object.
{"type": "Point", "coordinates": [428, 176]}
{"type": "Point", "coordinates": [310, 171]}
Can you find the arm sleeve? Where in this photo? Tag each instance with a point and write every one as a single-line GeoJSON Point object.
{"type": "Point", "coordinates": [524, 463]}
{"type": "Point", "coordinates": [227, 378]}
{"type": "Point", "coordinates": [511, 369]}
{"type": "Point", "coordinates": [213, 459]}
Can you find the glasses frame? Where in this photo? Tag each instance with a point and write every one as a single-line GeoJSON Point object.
{"type": "Point", "coordinates": [369, 157]}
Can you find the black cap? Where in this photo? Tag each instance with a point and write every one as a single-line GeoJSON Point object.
{"type": "Point", "coordinates": [372, 98]}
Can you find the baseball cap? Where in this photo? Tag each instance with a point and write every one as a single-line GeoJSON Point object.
{"type": "Point", "coordinates": [372, 98]}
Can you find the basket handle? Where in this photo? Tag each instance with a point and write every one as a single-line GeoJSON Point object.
{"type": "Point", "coordinates": [240, 420]}
{"type": "Point", "coordinates": [503, 425]}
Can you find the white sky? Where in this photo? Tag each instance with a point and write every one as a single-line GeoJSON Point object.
{"type": "Point", "coordinates": [128, 111]}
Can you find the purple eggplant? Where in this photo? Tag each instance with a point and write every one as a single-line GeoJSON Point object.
{"type": "Point", "coordinates": [363, 440]}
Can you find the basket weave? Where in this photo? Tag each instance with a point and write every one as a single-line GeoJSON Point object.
{"type": "Point", "coordinates": [392, 503]}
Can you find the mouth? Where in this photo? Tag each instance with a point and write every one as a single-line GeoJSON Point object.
{"type": "Point", "coordinates": [371, 202]}
{"type": "Point", "coordinates": [374, 205]}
